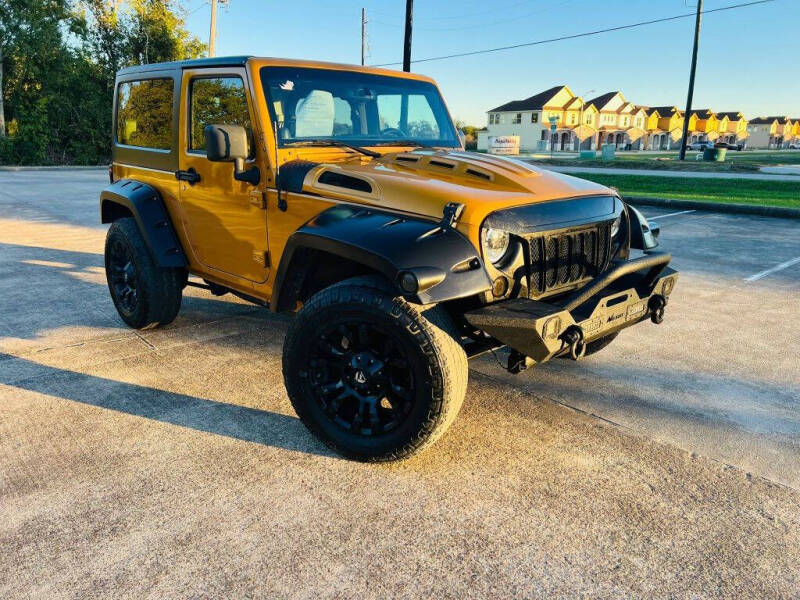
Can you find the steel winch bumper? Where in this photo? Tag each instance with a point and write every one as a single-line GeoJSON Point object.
{"type": "Point", "coordinates": [628, 293]}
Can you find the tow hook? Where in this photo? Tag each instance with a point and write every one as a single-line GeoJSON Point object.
{"type": "Point", "coordinates": [573, 337]}
{"type": "Point", "coordinates": [656, 305]}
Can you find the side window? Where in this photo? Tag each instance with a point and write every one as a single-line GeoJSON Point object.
{"type": "Point", "coordinates": [144, 113]}
{"type": "Point", "coordinates": [217, 101]}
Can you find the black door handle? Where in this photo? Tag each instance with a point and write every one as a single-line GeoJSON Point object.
{"type": "Point", "coordinates": [189, 175]}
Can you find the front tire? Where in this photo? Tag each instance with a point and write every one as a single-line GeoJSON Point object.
{"type": "Point", "coordinates": [144, 294]}
{"type": "Point", "coordinates": [370, 375]}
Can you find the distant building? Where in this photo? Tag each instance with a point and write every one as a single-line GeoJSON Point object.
{"type": "Point", "coordinates": [732, 127]}
{"type": "Point", "coordinates": [611, 119]}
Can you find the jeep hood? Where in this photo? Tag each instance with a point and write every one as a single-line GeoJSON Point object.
{"type": "Point", "coordinates": [422, 182]}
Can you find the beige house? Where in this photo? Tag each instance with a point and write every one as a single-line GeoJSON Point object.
{"type": "Point", "coordinates": [616, 120]}
{"type": "Point", "coordinates": [762, 132]}
{"type": "Point", "coordinates": [575, 122]}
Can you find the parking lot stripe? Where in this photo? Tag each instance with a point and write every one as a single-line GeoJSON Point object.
{"type": "Point", "coordinates": [675, 214]}
{"type": "Point", "coordinates": [775, 269]}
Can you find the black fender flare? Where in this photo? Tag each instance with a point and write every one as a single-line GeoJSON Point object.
{"type": "Point", "coordinates": [444, 262]}
{"type": "Point", "coordinates": [147, 207]}
{"type": "Point", "coordinates": [644, 233]}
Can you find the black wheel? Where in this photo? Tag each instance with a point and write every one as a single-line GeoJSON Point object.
{"type": "Point", "coordinates": [370, 375]}
{"type": "Point", "coordinates": [145, 295]}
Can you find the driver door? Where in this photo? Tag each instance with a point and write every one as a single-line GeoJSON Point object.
{"type": "Point", "coordinates": [225, 220]}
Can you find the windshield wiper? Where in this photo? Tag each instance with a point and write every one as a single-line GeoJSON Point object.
{"type": "Point", "coordinates": [334, 143]}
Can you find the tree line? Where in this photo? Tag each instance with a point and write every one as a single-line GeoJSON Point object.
{"type": "Point", "coordinates": [58, 60]}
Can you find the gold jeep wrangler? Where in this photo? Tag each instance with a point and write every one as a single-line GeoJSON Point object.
{"type": "Point", "coordinates": [344, 194]}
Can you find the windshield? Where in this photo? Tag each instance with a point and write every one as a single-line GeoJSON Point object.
{"type": "Point", "coordinates": [356, 108]}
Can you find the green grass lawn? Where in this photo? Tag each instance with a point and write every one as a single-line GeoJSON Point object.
{"type": "Point", "coordinates": [743, 191]}
{"type": "Point", "coordinates": [735, 162]}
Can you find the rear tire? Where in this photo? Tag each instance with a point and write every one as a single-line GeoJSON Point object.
{"type": "Point", "coordinates": [144, 294]}
{"type": "Point", "coordinates": [370, 375]}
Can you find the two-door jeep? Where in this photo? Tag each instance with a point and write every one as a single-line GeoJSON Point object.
{"type": "Point", "coordinates": [343, 194]}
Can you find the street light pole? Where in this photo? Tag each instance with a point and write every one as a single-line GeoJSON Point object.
{"type": "Point", "coordinates": [213, 32]}
{"type": "Point", "coordinates": [687, 114]}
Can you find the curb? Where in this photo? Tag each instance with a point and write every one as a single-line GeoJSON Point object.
{"type": "Point", "coordinates": [782, 212]}
{"type": "Point", "coordinates": [56, 168]}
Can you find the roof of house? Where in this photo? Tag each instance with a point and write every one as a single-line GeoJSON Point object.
{"type": "Point", "coordinates": [732, 116]}
{"type": "Point", "coordinates": [763, 120]}
{"type": "Point", "coordinates": [781, 120]}
{"type": "Point", "coordinates": [664, 111]}
{"type": "Point", "coordinates": [703, 113]}
{"type": "Point", "coordinates": [535, 102]}
{"type": "Point", "coordinates": [602, 100]}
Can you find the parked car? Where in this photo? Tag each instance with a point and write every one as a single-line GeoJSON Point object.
{"type": "Point", "coordinates": [794, 146]}
{"type": "Point", "coordinates": [729, 146]}
{"type": "Point", "coordinates": [700, 145]}
{"type": "Point", "coordinates": [342, 194]}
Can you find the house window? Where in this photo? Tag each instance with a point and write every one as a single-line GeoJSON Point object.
{"type": "Point", "coordinates": [589, 118]}
{"type": "Point", "coordinates": [534, 117]}
{"type": "Point", "coordinates": [517, 119]}
{"type": "Point", "coordinates": [572, 119]}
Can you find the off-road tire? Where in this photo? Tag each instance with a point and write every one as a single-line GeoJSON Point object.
{"type": "Point", "coordinates": [158, 290]}
{"type": "Point", "coordinates": [434, 355]}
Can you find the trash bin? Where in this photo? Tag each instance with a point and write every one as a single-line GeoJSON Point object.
{"type": "Point", "coordinates": [715, 154]}
{"type": "Point", "coordinates": [609, 152]}
{"type": "Point", "coordinates": [588, 154]}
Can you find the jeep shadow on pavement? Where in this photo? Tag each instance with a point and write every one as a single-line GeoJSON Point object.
{"type": "Point", "coordinates": [344, 194]}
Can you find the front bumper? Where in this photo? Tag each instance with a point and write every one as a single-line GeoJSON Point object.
{"type": "Point", "coordinates": [628, 293]}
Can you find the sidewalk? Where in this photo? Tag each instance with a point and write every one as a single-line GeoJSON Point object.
{"type": "Point", "coordinates": [664, 173]}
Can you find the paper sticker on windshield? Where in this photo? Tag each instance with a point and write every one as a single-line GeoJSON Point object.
{"type": "Point", "coordinates": [314, 115]}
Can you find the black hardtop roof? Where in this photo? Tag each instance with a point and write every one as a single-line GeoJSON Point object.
{"type": "Point", "coordinates": [217, 61]}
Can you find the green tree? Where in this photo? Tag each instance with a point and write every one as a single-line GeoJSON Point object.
{"type": "Point", "coordinates": [58, 61]}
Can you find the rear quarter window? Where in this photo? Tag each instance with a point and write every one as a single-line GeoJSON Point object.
{"type": "Point", "coordinates": [144, 113]}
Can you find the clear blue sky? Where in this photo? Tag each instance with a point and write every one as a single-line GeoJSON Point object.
{"type": "Point", "coordinates": [748, 57]}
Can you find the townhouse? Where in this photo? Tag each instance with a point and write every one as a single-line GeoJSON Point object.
{"type": "Point", "coordinates": [557, 119]}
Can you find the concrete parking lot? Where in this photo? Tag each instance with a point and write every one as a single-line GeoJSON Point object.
{"type": "Point", "coordinates": [170, 463]}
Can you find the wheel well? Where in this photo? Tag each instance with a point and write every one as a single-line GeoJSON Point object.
{"type": "Point", "coordinates": [111, 211]}
{"type": "Point", "coordinates": [312, 270]}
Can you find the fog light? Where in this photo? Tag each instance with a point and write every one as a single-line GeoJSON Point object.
{"type": "Point", "coordinates": [408, 282]}
{"type": "Point", "coordinates": [500, 287]}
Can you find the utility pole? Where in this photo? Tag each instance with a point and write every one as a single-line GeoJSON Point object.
{"type": "Point", "coordinates": [688, 112]}
{"type": "Point", "coordinates": [363, 36]}
{"type": "Point", "coordinates": [213, 33]}
{"type": "Point", "coordinates": [407, 42]}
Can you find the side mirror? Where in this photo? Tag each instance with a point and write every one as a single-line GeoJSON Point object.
{"type": "Point", "coordinates": [228, 143]}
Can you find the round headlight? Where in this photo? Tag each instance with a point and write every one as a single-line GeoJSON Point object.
{"type": "Point", "coordinates": [495, 244]}
{"type": "Point", "coordinates": [615, 226]}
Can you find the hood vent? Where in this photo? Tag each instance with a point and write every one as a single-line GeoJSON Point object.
{"type": "Point", "coordinates": [476, 173]}
{"type": "Point", "coordinates": [441, 163]}
{"type": "Point", "coordinates": [345, 181]}
{"type": "Point", "coordinates": [411, 159]}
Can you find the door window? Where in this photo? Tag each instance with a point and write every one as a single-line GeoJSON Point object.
{"type": "Point", "coordinates": [217, 101]}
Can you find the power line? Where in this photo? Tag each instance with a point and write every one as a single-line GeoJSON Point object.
{"type": "Point", "coordinates": [579, 35]}
{"type": "Point", "coordinates": [460, 16]}
{"type": "Point", "coordinates": [481, 25]}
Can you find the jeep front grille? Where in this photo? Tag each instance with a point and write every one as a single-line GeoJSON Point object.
{"type": "Point", "coordinates": [562, 259]}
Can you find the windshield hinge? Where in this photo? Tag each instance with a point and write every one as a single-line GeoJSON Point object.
{"type": "Point", "coordinates": [450, 215]}
{"type": "Point", "coordinates": [262, 258]}
{"type": "Point", "coordinates": [258, 199]}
